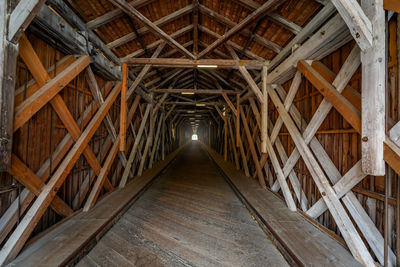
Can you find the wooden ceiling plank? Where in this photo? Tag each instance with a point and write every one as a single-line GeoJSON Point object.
{"type": "Point", "coordinates": [131, 11]}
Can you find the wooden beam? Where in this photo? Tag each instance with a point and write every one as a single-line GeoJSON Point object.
{"type": "Point", "coordinates": [160, 22]}
{"type": "Point", "coordinates": [27, 178]}
{"type": "Point", "coordinates": [195, 22]}
{"type": "Point", "coordinates": [359, 24]}
{"type": "Point", "coordinates": [144, 71]}
{"type": "Point", "coordinates": [266, 7]}
{"type": "Point", "coordinates": [41, 97]}
{"type": "Point", "coordinates": [155, 44]}
{"type": "Point", "coordinates": [373, 84]}
{"type": "Point", "coordinates": [234, 45]}
{"type": "Point", "coordinates": [345, 108]}
{"type": "Point", "coordinates": [131, 11]}
{"type": "Point", "coordinates": [132, 154]}
{"type": "Point", "coordinates": [116, 13]}
{"type": "Point", "coordinates": [392, 5]}
{"type": "Point", "coordinates": [311, 27]}
{"type": "Point", "coordinates": [18, 238]}
{"type": "Point", "coordinates": [344, 223]}
{"type": "Point", "coordinates": [21, 17]}
{"type": "Point", "coordinates": [253, 151]}
{"type": "Point", "coordinates": [123, 111]}
{"type": "Point", "coordinates": [238, 120]}
{"type": "Point", "coordinates": [8, 66]}
{"type": "Point", "coordinates": [159, 103]}
{"type": "Point", "coordinates": [230, 104]}
{"type": "Point", "coordinates": [264, 111]}
{"type": "Point", "coordinates": [41, 76]}
{"type": "Point", "coordinates": [188, 63]}
{"type": "Point", "coordinates": [195, 91]}
{"type": "Point", "coordinates": [94, 193]}
{"type": "Point", "coordinates": [170, 111]}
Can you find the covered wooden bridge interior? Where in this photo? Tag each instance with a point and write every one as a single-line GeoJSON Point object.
{"type": "Point", "coordinates": [295, 105]}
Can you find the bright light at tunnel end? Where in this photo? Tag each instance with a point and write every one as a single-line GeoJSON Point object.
{"type": "Point", "coordinates": [194, 137]}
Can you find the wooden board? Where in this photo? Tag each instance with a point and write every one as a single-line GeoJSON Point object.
{"type": "Point", "coordinates": [61, 245]}
{"type": "Point", "coordinates": [306, 244]}
{"type": "Point", "coordinates": [189, 217]}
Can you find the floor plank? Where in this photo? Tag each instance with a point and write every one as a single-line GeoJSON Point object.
{"type": "Point", "coordinates": [189, 217]}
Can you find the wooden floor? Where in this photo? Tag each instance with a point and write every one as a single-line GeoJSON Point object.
{"type": "Point", "coordinates": [306, 244]}
{"type": "Point", "coordinates": [189, 217]}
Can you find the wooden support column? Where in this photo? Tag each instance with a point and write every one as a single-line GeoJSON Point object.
{"type": "Point", "coordinates": [373, 92]}
{"type": "Point", "coordinates": [253, 150]}
{"type": "Point", "coordinates": [237, 120]}
{"type": "Point", "coordinates": [264, 111]}
{"type": "Point", "coordinates": [122, 126]}
{"type": "Point", "coordinates": [8, 61]}
{"type": "Point", "coordinates": [132, 154]}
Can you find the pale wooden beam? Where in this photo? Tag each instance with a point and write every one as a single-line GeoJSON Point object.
{"type": "Point", "coordinates": [132, 154]}
{"type": "Point", "coordinates": [359, 24]}
{"type": "Point", "coordinates": [247, 77]}
{"type": "Point", "coordinates": [266, 7]}
{"type": "Point", "coordinates": [264, 111]}
{"type": "Point", "coordinates": [131, 11]}
{"type": "Point", "coordinates": [21, 17]}
{"type": "Point", "coordinates": [123, 111]}
{"type": "Point", "coordinates": [144, 71]}
{"type": "Point", "coordinates": [8, 66]}
{"type": "Point", "coordinates": [373, 84]}
{"type": "Point", "coordinates": [343, 221]}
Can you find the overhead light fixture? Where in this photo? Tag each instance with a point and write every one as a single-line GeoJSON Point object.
{"type": "Point", "coordinates": [190, 111]}
{"type": "Point", "coordinates": [207, 66]}
{"type": "Point", "coordinates": [200, 105]}
{"type": "Point", "coordinates": [187, 93]}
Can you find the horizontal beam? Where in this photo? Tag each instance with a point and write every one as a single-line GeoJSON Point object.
{"type": "Point", "coordinates": [195, 91]}
{"type": "Point", "coordinates": [192, 63]}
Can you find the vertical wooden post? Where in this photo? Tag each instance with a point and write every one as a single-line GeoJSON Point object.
{"type": "Point", "coordinates": [238, 120]}
{"type": "Point", "coordinates": [264, 111]}
{"type": "Point", "coordinates": [163, 139]}
{"type": "Point", "coordinates": [373, 92]}
{"type": "Point", "coordinates": [122, 125]}
{"type": "Point", "coordinates": [225, 138]}
{"type": "Point", "coordinates": [8, 61]}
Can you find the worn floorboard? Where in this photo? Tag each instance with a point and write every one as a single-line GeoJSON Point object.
{"type": "Point", "coordinates": [306, 244]}
{"type": "Point", "coordinates": [189, 217]}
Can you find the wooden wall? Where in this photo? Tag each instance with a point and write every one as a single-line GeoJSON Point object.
{"type": "Point", "coordinates": [341, 142]}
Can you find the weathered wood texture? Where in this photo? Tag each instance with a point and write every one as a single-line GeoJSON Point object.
{"type": "Point", "coordinates": [187, 211]}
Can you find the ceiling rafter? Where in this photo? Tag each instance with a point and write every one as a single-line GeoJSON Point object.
{"type": "Point", "coordinates": [158, 23]}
